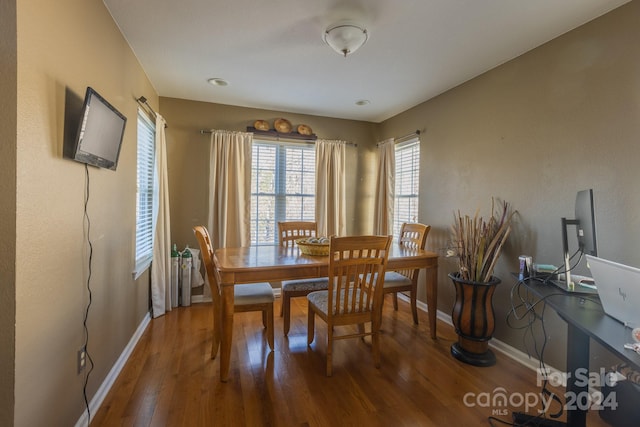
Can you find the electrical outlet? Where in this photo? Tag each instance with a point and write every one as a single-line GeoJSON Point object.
{"type": "Point", "coordinates": [82, 359]}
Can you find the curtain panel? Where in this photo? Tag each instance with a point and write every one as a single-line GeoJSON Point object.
{"type": "Point", "coordinates": [230, 189]}
{"type": "Point", "coordinates": [161, 292]}
{"type": "Point", "coordinates": [385, 187]}
{"type": "Point", "coordinates": [330, 187]}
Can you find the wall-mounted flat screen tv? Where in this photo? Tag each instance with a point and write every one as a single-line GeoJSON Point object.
{"type": "Point", "coordinates": [100, 132]}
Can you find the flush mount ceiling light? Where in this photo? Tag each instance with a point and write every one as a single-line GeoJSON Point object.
{"type": "Point", "coordinates": [345, 38]}
{"type": "Point", "coordinates": [216, 81]}
{"type": "Point", "coordinates": [362, 102]}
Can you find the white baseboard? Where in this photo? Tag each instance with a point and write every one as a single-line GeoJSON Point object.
{"type": "Point", "coordinates": [196, 299]}
{"type": "Point", "coordinates": [511, 352]}
{"type": "Point", "coordinates": [106, 385]}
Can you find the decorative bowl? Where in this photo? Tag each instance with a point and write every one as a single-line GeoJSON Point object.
{"type": "Point", "coordinates": [304, 130]}
{"type": "Point", "coordinates": [313, 248]}
{"type": "Point", "coordinates": [261, 125]}
{"type": "Point", "coordinates": [282, 125]}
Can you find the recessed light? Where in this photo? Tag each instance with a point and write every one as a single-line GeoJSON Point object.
{"type": "Point", "coordinates": [363, 102]}
{"type": "Point", "coordinates": [216, 81]}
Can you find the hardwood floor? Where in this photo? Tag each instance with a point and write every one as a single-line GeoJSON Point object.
{"type": "Point", "coordinates": [170, 379]}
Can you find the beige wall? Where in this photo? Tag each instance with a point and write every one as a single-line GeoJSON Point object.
{"type": "Point", "coordinates": [534, 131]}
{"type": "Point", "coordinates": [63, 47]}
{"type": "Point", "coordinates": [188, 153]}
{"type": "Point", "coordinates": [8, 82]}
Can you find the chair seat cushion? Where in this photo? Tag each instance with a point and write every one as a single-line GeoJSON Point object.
{"type": "Point", "coordinates": [320, 299]}
{"type": "Point", "coordinates": [394, 279]}
{"type": "Point", "coordinates": [309, 285]}
{"type": "Point", "coordinates": [254, 293]}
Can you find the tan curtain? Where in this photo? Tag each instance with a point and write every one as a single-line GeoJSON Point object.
{"type": "Point", "coordinates": [161, 293]}
{"type": "Point", "coordinates": [385, 187]}
{"type": "Point", "coordinates": [230, 189]}
{"type": "Point", "coordinates": [330, 187]}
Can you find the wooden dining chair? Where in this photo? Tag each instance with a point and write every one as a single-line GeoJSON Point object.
{"type": "Point", "coordinates": [412, 236]}
{"type": "Point", "coordinates": [289, 232]}
{"type": "Point", "coordinates": [247, 297]}
{"type": "Point", "coordinates": [356, 272]}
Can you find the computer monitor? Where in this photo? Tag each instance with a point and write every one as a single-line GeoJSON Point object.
{"type": "Point", "coordinates": [585, 223]}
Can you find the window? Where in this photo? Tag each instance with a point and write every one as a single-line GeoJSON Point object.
{"type": "Point", "coordinates": [407, 177]}
{"type": "Point", "coordinates": [283, 187]}
{"type": "Point", "coordinates": [146, 193]}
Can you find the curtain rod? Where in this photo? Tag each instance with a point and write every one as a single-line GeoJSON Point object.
{"type": "Point", "coordinates": [403, 138]}
{"type": "Point", "coordinates": [143, 102]}
{"type": "Point", "coordinates": [407, 136]}
{"type": "Point", "coordinates": [277, 138]}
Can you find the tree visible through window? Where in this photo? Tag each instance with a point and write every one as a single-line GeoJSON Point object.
{"type": "Point", "coordinates": [406, 188]}
{"type": "Point", "coordinates": [283, 185]}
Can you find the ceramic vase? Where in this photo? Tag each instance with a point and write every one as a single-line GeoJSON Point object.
{"type": "Point", "coordinates": [474, 320]}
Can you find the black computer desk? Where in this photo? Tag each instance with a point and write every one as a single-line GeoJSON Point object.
{"type": "Point", "coordinates": [585, 319]}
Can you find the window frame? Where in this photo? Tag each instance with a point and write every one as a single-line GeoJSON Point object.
{"type": "Point", "coordinates": [412, 148]}
{"type": "Point", "coordinates": [279, 194]}
{"type": "Point", "coordinates": [146, 192]}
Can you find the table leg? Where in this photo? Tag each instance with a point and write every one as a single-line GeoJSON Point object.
{"type": "Point", "coordinates": [432, 298]}
{"type": "Point", "coordinates": [227, 331]}
{"type": "Point", "coordinates": [578, 370]}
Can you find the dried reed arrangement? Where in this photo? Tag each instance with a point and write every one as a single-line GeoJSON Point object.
{"type": "Point", "coordinates": [478, 243]}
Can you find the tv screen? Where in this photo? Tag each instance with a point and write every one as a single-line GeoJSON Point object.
{"type": "Point", "coordinates": [100, 132]}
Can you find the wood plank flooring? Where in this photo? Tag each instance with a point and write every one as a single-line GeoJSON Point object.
{"type": "Point", "coordinates": [170, 379]}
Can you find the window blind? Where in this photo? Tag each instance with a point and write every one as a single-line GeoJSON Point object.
{"type": "Point", "coordinates": [145, 193]}
{"type": "Point", "coordinates": [406, 188]}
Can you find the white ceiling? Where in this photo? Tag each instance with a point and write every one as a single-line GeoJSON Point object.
{"type": "Point", "coordinates": [273, 55]}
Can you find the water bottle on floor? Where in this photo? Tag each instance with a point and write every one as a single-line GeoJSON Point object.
{"type": "Point", "coordinates": [186, 277]}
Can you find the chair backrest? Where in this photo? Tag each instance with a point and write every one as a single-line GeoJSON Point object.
{"type": "Point", "coordinates": [289, 231]}
{"type": "Point", "coordinates": [413, 235]}
{"type": "Point", "coordinates": [206, 249]}
{"type": "Point", "coordinates": [356, 273]}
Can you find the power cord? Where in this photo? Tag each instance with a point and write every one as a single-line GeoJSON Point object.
{"type": "Point", "coordinates": [524, 309]}
{"type": "Point", "coordinates": [87, 224]}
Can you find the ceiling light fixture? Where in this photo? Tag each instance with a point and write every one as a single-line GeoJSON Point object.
{"type": "Point", "coordinates": [362, 102]}
{"type": "Point", "coordinates": [216, 81]}
{"type": "Point", "coordinates": [345, 38]}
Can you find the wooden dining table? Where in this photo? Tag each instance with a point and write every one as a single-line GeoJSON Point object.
{"type": "Point", "coordinates": [237, 266]}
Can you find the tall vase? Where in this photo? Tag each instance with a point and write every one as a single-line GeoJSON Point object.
{"type": "Point", "coordinates": [474, 320]}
